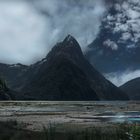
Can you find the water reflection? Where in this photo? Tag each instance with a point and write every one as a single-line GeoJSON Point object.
{"type": "Point", "coordinates": [129, 117]}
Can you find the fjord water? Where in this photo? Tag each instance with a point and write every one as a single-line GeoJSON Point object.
{"type": "Point", "coordinates": [83, 111]}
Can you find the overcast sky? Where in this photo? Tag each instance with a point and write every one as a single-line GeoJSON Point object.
{"type": "Point", "coordinates": [29, 28]}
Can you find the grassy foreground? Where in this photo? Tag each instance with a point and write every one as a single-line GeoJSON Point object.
{"type": "Point", "coordinates": [11, 130]}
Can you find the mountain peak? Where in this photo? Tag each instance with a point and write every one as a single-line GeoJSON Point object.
{"type": "Point", "coordinates": [70, 41]}
{"type": "Point", "coordinates": [69, 38]}
{"type": "Point", "coordinates": [67, 75]}
{"type": "Point", "coordinates": [69, 48]}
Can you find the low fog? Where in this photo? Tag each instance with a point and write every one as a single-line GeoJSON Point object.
{"type": "Point", "coordinates": [120, 78]}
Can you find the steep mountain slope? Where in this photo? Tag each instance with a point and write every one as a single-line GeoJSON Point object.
{"type": "Point", "coordinates": [117, 46]}
{"type": "Point", "coordinates": [132, 88]}
{"type": "Point", "coordinates": [5, 93]}
{"type": "Point", "coordinates": [65, 74]}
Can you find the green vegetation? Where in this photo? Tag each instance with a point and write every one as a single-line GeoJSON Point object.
{"type": "Point", "coordinates": [135, 132]}
{"type": "Point", "coordinates": [2, 85]}
{"type": "Point", "coordinates": [11, 130]}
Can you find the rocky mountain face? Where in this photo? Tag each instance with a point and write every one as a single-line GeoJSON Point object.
{"type": "Point", "coordinates": [5, 93]}
{"type": "Point", "coordinates": [132, 88]}
{"type": "Point", "coordinates": [117, 46]}
{"type": "Point", "coordinates": [64, 74]}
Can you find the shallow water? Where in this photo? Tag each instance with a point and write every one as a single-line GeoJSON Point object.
{"type": "Point", "coordinates": [83, 112]}
{"type": "Point", "coordinates": [129, 117]}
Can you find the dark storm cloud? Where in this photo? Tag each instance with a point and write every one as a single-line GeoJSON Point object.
{"type": "Point", "coordinates": [112, 1]}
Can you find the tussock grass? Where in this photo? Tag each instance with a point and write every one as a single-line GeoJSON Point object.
{"type": "Point", "coordinates": [12, 130]}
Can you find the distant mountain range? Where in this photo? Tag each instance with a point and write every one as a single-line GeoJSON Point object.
{"type": "Point", "coordinates": [132, 88]}
{"type": "Point", "coordinates": [117, 46]}
{"type": "Point", "coordinates": [64, 74]}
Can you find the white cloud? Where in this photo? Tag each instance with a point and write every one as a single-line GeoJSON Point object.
{"type": "Point", "coordinates": [21, 32]}
{"type": "Point", "coordinates": [79, 18]}
{"type": "Point", "coordinates": [110, 44]}
{"type": "Point", "coordinates": [28, 28]}
{"type": "Point", "coordinates": [126, 36]}
{"type": "Point", "coordinates": [134, 14]}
